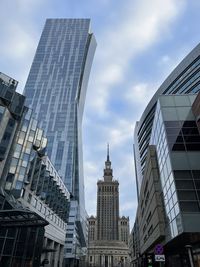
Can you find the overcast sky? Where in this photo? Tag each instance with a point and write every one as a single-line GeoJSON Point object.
{"type": "Point", "coordinates": [139, 44]}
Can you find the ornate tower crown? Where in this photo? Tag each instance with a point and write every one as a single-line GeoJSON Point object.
{"type": "Point", "coordinates": [108, 170]}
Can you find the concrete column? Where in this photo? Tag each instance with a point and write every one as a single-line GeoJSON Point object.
{"type": "Point", "coordinates": [100, 260]}
{"type": "Point", "coordinates": [56, 254]}
{"type": "Point", "coordinates": [61, 255]}
{"type": "Point", "coordinates": [50, 254]}
{"type": "Point", "coordinates": [103, 260]}
{"type": "Point", "coordinates": [109, 261]}
{"type": "Point", "coordinates": [43, 255]}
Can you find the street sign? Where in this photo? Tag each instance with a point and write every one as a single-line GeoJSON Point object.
{"type": "Point", "coordinates": [158, 250]}
{"type": "Point", "coordinates": [160, 258]}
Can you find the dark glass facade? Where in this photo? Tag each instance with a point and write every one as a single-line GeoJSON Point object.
{"type": "Point", "coordinates": [21, 234]}
{"type": "Point", "coordinates": [169, 126]}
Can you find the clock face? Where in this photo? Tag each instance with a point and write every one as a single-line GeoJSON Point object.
{"type": "Point", "coordinates": [107, 166]}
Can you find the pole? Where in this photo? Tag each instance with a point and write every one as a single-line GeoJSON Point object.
{"type": "Point", "coordinates": [189, 250]}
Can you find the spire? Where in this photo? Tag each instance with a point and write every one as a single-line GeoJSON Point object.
{"type": "Point", "coordinates": [108, 159]}
{"type": "Point", "coordinates": [108, 169]}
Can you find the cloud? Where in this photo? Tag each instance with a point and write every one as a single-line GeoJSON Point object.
{"type": "Point", "coordinates": [28, 6]}
{"type": "Point", "coordinates": [139, 27]}
{"type": "Point", "coordinates": [140, 93]}
{"type": "Point", "coordinates": [127, 206]}
{"type": "Point", "coordinates": [115, 130]}
{"type": "Point", "coordinates": [19, 45]}
{"type": "Point", "coordinates": [165, 59]}
{"type": "Point", "coordinates": [18, 33]}
{"type": "Point", "coordinates": [119, 134]}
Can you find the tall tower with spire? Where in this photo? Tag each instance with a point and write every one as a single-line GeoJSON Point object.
{"type": "Point", "coordinates": [107, 204]}
{"type": "Point", "coordinates": [108, 232]}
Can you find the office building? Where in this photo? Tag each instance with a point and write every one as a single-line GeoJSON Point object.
{"type": "Point", "coordinates": [34, 201]}
{"type": "Point", "coordinates": [55, 90]}
{"type": "Point", "coordinates": [167, 152]}
{"type": "Point", "coordinates": [108, 232]}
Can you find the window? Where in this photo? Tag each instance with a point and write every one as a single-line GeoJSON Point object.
{"type": "Point", "coordinates": [150, 231]}
{"type": "Point", "coordinates": [1, 111]}
{"type": "Point", "coordinates": [10, 177]}
{"type": "Point", "coordinates": [189, 206]}
{"type": "Point", "coordinates": [11, 123]}
{"type": "Point", "coordinates": [69, 235]}
{"type": "Point", "coordinates": [22, 192]}
{"type": "Point", "coordinates": [186, 195]}
{"type": "Point", "coordinates": [21, 138]}
{"type": "Point", "coordinates": [29, 198]}
{"type": "Point", "coordinates": [28, 147]}
{"type": "Point", "coordinates": [6, 136]}
{"type": "Point", "coordinates": [149, 217]}
{"type": "Point", "coordinates": [17, 150]}
{"type": "Point", "coordinates": [39, 206]}
{"type": "Point", "coordinates": [184, 184]}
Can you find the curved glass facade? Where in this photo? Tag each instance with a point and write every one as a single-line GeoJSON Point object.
{"type": "Point", "coordinates": [170, 124]}
{"type": "Point", "coordinates": [185, 79]}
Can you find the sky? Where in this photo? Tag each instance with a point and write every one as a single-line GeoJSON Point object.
{"type": "Point", "coordinates": [139, 42]}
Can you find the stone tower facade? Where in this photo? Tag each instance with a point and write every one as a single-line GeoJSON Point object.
{"type": "Point", "coordinates": [124, 229]}
{"type": "Point", "coordinates": [107, 205]}
{"type": "Point", "coordinates": [92, 222]}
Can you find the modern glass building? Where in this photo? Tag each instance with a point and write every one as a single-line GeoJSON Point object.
{"type": "Point", "coordinates": [55, 90]}
{"type": "Point", "coordinates": [32, 194]}
{"type": "Point", "coordinates": [167, 153]}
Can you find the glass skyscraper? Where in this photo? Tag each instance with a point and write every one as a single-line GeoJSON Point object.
{"type": "Point", "coordinates": [56, 89]}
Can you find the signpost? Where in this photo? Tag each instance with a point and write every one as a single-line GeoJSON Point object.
{"type": "Point", "coordinates": [159, 254]}
{"type": "Point", "coordinates": [160, 258]}
{"type": "Point", "coordinates": [158, 250]}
